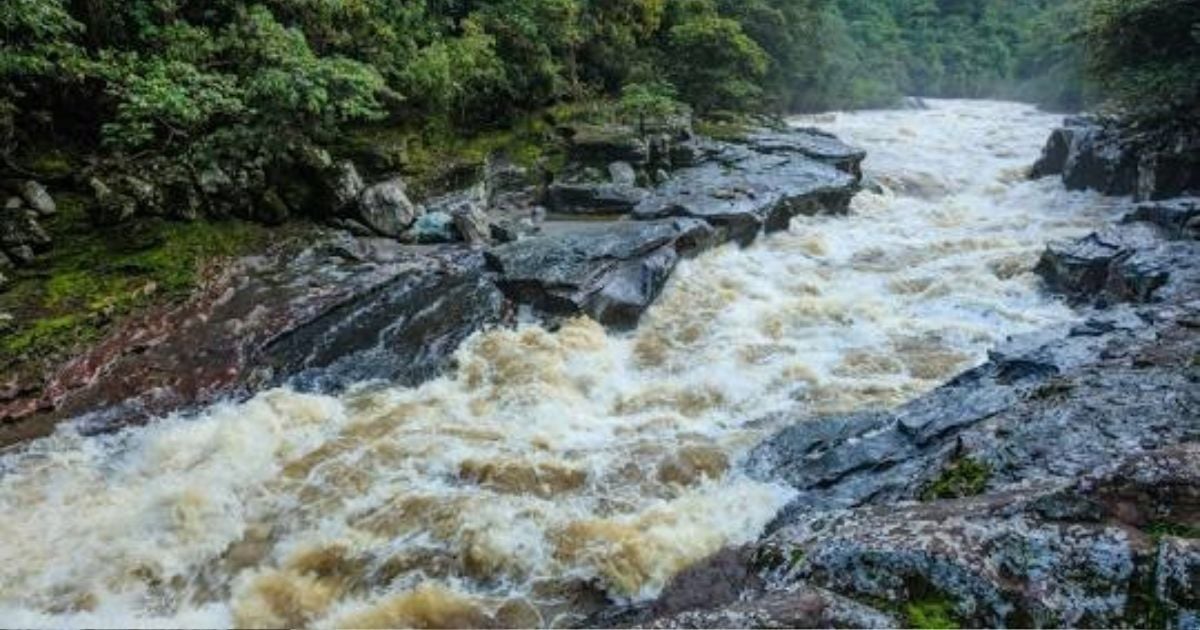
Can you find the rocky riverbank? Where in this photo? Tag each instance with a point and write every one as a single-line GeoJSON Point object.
{"type": "Point", "coordinates": [1055, 485]}
{"type": "Point", "coordinates": [394, 302]}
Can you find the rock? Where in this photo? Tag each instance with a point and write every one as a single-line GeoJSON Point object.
{"type": "Point", "coordinates": [508, 230]}
{"type": "Point", "coordinates": [914, 103]}
{"type": "Point", "coordinates": [472, 224]}
{"type": "Point", "coordinates": [502, 177]}
{"type": "Point", "coordinates": [603, 145]}
{"type": "Point", "coordinates": [811, 143]}
{"type": "Point", "coordinates": [386, 209]}
{"type": "Point", "coordinates": [612, 271]}
{"type": "Point", "coordinates": [583, 198]}
{"type": "Point", "coordinates": [342, 185]}
{"type": "Point", "coordinates": [1122, 264]}
{"type": "Point", "coordinates": [433, 228]}
{"type": "Point", "coordinates": [742, 192]}
{"type": "Point", "coordinates": [38, 199]}
{"type": "Point", "coordinates": [341, 312]}
{"type": "Point", "coordinates": [1177, 581]}
{"type": "Point", "coordinates": [111, 207]}
{"type": "Point", "coordinates": [622, 174]}
{"type": "Point", "coordinates": [405, 331]}
{"type": "Point", "coordinates": [1098, 155]}
{"type": "Point", "coordinates": [21, 236]}
{"type": "Point", "coordinates": [14, 203]}
{"type": "Point", "coordinates": [271, 209]}
{"type": "Point", "coordinates": [1176, 217]}
{"type": "Point", "coordinates": [1054, 156]}
{"type": "Point", "coordinates": [1169, 168]}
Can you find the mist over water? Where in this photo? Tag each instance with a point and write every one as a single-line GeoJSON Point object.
{"type": "Point", "coordinates": [553, 470]}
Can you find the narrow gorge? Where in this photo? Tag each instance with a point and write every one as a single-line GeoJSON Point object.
{"type": "Point", "coordinates": [875, 411]}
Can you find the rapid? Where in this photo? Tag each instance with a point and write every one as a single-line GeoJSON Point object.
{"type": "Point", "coordinates": [553, 471]}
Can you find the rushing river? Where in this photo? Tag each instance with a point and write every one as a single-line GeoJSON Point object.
{"type": "Point", "coordinates": [553, 470]}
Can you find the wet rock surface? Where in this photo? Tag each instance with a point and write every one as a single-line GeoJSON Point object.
{"type": "Point", "coordinates": [743, 192]}
{"type": "Point", "coordinates": [342, 310]}
{"type": "Point", "coordinates": [1055, 485]}
{"type": "Point", "coordinates": [612, 272]}
{"type": "Point", "coordinates": [1107, 156]}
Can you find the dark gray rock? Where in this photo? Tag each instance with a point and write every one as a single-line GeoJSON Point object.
{"type": "Point", "coordinates": [1178, 218]}
{"type": "Point", "coordinates": [21, 236]}
{"type": "Point", "coordinates": [1100, 159]}
{"type": "Point", "coordinates": [1126, 263]}
{"type": "Point", "coordinates": [612, 272]}
{"type": "Point", "coordinates": [403, 331]}
{"type": "Point", "coordinates": [1177, 581]}
{"type": "Point", "coordinates": [36, 196]}
{"type": "Point", "coordinates": [1170, 167]}
{"type": "Point", "coordinates": [1055, 154]}
{"type": "Point", "coordinates": [742, 192]}
{"type": "Point", "coordinates": [595, 199]}
{"type": "Point", "coordinates": [811, 143]}
{"type": "Point", "coordinates": [386, 209]}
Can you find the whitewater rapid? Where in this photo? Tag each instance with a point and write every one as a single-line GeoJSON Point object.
{"type": "Point", "coordinates": [553, 471]}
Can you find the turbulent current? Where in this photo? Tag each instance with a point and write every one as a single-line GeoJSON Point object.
{"type": "Point", "coordinates": [553, 471]}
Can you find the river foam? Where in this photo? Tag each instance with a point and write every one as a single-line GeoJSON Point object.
{"type": "Point", "coordinates": [552, 471]}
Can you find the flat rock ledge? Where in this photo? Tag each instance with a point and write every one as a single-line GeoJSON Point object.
{"type": "Point", "coordinates": [1058, 484]}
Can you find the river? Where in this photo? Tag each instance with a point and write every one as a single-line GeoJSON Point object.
{"type": "Point", "coordinates": [553, 471]}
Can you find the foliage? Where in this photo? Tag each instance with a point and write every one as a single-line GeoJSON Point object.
{"type": "Point", "coordinates": [964, 477]}
{"type": "Point", "coordinates": [653, 101]}
{"type": "Point", "coordinates": [1146, 53]}
{"type": "Point", "coordinates": [931, 613]}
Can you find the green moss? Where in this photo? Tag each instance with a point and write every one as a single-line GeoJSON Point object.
{"type": "Point", "coordinates": [50, 163]}
{"type": "Point", "coordinates": [723, 130]}
{"type": "Point", "coordinates": [932, 612]}
{"type": "Point", "coordinates": [964, 477]}
{"type": "Point", "coordinates": [93, 275]}
{"type": "Point", "coordinates": [1160, 529]}
{"type": "Point", "coordinates": [437, 158]}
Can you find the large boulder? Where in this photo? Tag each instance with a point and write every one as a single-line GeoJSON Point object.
{"type": "Point", "coordinates": [1126, 263]}
{"type": "Point", "coordinates": [386, 209]}
{"type": "Point", "coordinates": [742, 192]}
{"type": "Point", "coordinates": [1091, 154]}
{"type": "Point", "coordinates": [1055, 154]}
{"type": "Point", "coordinates": [612, 272]}
{"type": "Point", "coordinates": [596, 199]}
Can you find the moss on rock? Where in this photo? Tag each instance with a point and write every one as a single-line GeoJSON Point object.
{"type": "Point", "coordinates": [964, 477]}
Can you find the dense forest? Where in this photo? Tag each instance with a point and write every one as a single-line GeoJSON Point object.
{"type": "Point", "coordinates": [235, 78]}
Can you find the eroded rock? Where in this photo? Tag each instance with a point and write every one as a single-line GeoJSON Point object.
{"type": "Point", "coordinates": [612, 272]}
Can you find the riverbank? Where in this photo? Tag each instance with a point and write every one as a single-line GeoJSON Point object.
{"type": "Point", "coordinates": [323, 309]}
{"type": "Point", "coordinates": [555, 467]}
